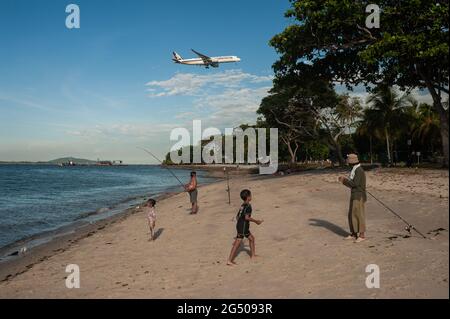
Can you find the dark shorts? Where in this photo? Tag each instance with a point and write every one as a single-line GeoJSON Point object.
{"type": "Point", "coordinates": [243, 230]}
{"type": "Point", "coordinates": [193, 196]}
{"type": "Point", "coordinates": [241, 236]}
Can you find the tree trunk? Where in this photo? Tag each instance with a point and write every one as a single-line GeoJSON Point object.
{"type": "Point", "coordinates": [337, 147]}
{"type": "Point", "coordinates": [291, 152]}
{"type": "Point", "coordinates": [339, 154]}
{"type": "Point", "coordinates": [394, 153]}
{"type": "Point", "coordinates": [444, 136]}
{"type": "Point", "coordinates": [334, 143]}
{"type": "Point", "coordinates": [388, 146]}
{"type": "Point", "coordinates": [443, 116]}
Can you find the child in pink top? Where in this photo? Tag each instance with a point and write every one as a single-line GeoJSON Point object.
{"type": "Point", "coordinates": [149, 210]}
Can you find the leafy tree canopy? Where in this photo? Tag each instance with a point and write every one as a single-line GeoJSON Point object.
{"type": "Point", "coordinates": [330, 40]}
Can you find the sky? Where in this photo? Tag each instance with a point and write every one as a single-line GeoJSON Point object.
{"type": "Point", "coordinates": [101, 91]}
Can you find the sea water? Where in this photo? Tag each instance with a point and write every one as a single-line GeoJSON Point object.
{"type": "Point", "coordinates": [36, 199]}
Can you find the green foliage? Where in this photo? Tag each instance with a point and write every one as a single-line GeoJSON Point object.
{"type": "Point", "coordinates": [329, 40]}
{"type": "Point", "coordinates": [314, 150]}
{"type": "Point", "coordinates": [426, 128]}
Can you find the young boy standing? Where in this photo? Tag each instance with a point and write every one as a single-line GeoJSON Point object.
{"type": "Point", "coordinates": [244, 217]}
{"type": "Point", "coordinates": [191, 188]}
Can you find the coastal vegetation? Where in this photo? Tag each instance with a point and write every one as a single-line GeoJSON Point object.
{"type": "Point", "coordinates": [327, 52]}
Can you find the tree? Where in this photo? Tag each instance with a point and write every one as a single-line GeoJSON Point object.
{"type": "Point", "coordinates": [280, 110]}
{"type": "Point", "coordinates": [410, 49]}
{"type": "Point", "coordinates": [336, 119]}
{"type": "Point", "coordinates": [349, 110]}
{"type": "Point", "coordinates": [386, 113]}
{"type": "Point", "coordinates": [315, 150]}
{"type": "Point", "coordinates": [310, 110]}
{"type": "Point", "coordinates": [426, 129]}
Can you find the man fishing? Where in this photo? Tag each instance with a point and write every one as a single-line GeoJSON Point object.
{"type": "Point", "coordinates": [191, 188]}
{"type": "Point", "coordinates": [356, 213]}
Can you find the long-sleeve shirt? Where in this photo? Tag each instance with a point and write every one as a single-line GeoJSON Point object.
{"type": "Point", "coordinates": [357, 184]}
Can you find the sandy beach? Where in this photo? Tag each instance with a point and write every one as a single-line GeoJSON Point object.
{"type": "Point", "coordinates": [300, 245]}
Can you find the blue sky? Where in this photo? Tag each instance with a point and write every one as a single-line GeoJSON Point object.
{"type": "Point", "coordinates": [101, 90]}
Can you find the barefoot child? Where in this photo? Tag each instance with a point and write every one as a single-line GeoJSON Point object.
{"type": "Point", "coordinates": [191, 188]}
{"type": "Point", "coordinates": [244, 217]}
{"type": "Point", "coordinates": [149, 209]}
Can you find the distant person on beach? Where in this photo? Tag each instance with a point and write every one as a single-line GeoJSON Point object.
{"type": "Point", "coordinates": [191, 188]}
{"type": "Point", "coordinates": [150, 211]}
{"type": "Point", "coordinates": [244, 217]}
{"type": "Point", "coordinates": [356, 213]}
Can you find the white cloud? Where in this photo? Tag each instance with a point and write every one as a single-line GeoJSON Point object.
{"type": "Point", "coordinates": [122, 130]}
{"type": "Point", "coordinates": [191, 83]}
{"type": "Point", "coordinates": [233, 107]}
{"type": "Point", "coordinates": [228, 108]}
{"type": "Point", "coordinates": [221, 99]}
{"type": "Point", "coordinates": [184, 115]}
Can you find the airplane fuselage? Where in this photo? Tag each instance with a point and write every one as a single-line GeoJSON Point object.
{"type": "Point", "coordinates": [205, 60]}
{"type": "Point", "coordinates": [218, 59]}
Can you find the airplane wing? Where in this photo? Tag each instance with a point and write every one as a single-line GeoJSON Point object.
{"type": "Point", "coordinates": [205, 58]}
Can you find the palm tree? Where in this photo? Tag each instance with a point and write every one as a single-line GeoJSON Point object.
{"type": "Point", "coordinates": [427, 129]}
{"type": "Point", "coordinates": [368, 127]}
{"type": "Point", "coordinates": [348, 110]}
{"type": "Point", "coordinates": [386, 115]}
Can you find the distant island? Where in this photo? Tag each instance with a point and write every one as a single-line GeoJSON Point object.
{"type": "Point", "coordinates": [74, 160]}
{"type": "Point", "coordinates": [69, 161]}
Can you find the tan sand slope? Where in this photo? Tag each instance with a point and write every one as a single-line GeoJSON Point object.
{"type": "Point", "coordinates": [302, 253]}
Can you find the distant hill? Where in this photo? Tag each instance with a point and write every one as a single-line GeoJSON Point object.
{"type": "Point", "coordinates": [77, 161]}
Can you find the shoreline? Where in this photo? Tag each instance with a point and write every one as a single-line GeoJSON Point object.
{"type": "Point", "coordinates": [192, 243]}
{"type": "Point", "coordinates": [43, 245]}
{"type": "Point", "coordinates": [9, 269]}
{"type": "Point", "coordinates": [61, 242]}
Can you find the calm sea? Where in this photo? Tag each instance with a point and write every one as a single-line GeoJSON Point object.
{"type": "Point", "coordinates": [39, 198]}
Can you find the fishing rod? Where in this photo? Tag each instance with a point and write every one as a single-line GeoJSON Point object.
{"type": "Point", "coordinates": [228, 185]}
{"type": "Point", "coordinates": [165, 166]}
{"type": "Point", "coordinates": [408, 227]}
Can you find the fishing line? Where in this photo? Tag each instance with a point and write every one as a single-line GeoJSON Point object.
{"type": "Point", "coordinates": [408, 227]}
{"type": "Point", "coordinates": [165, 166]}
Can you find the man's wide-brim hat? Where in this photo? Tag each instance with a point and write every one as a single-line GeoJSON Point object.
{"type": "Point", "coordinates": [352, 159]}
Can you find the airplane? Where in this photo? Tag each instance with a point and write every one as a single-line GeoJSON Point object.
{"type": "Point", "coordinates": [204, 60]}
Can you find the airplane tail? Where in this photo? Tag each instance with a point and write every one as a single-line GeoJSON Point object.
{"type": "Point", "coordinates": [176, 57]}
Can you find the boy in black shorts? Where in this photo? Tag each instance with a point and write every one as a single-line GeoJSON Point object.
{"type": "Point", "coordinates": [244, 217]}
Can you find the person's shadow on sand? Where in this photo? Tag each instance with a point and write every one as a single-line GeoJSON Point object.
{"type": "Point", "coordinates": [158, 233]}
{"type": "Point", "coordinates": [243, 248]}
{"type": "Point", "coordinates": [330, 226]}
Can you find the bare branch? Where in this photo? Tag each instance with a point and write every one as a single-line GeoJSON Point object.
{"type": "Point", "coordinates": [366, 31]}
{"type": "Point", "coordinates": [441, 88]}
